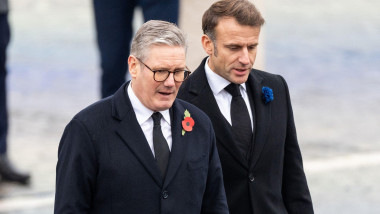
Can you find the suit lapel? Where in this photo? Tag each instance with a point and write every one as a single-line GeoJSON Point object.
{"type": "Point", "coordinates": [130, 132]}
{"type": "Point", "coordinates": [262, 116]}
{"type": "Point", "coordinates": [205, 100]}
{"type": "Point", "coordinates": [179, 142]}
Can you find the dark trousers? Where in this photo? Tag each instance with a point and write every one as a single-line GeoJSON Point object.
{"type": "Point", "coordinates": [113, 19]}
{"type": "Point", "coordinates": [4, 40]}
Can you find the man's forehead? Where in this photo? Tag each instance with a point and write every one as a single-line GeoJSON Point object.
{"type": "Point", "coordinates": [166, 55]}
{"type": "Point", "coordinates": [236, 33]}
{"type": "Point", "coordinates": [231, 39]}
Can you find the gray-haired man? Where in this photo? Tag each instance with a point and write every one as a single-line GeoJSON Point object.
{"type": "Point", "coordinates": [141, 150]}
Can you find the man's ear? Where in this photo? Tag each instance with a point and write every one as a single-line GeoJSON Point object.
{"type": "Point", "coordinates": [133, 66]}
{"type": "Point", "coordinates": [207, 44]}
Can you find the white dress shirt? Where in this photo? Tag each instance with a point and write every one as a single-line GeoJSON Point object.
{"type": "Point", "coordinates": [144, 118]}
{"type": "Point", "coordinates": [222, 97]}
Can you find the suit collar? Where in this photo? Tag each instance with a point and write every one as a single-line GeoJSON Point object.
{"type": "Point", "coordinates": [130, 132]}
{"type": "Point", "coordinates": [262, 113]}
{"type": "Point", "coordinates": [205, 100]}
{"type": "Point", "coordinates": [121, 105]}
{"type": "Point", "coordinates": [199, 80]}
{"type": "Point", "coordinates": [216, 82]}
{"type": "Point", "coordinates": [143, 113]}
{"type": "Point", "coordinates": [180, 142]}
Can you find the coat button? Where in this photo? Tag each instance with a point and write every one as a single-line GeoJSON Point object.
{"type": "Point", "coordinates": [251, 177]}
{"type": "Point", "coordinates": [165, 194]}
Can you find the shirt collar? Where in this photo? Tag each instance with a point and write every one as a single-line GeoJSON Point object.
{"type": "Point", "coordinates": [216, 82]}
{"type": "Point", "coordinates": [143, 113]}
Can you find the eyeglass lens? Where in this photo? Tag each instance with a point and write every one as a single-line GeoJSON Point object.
{"type": "Point", "coordinates": [179, 76]}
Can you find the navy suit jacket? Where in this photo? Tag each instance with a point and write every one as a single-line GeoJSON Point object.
{"type": "Point", "coordinates": [105, 164]}
{"type": "Point", "coordinates": [273, 181]}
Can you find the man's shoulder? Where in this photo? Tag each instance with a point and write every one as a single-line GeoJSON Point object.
{"type": "Point", "coordinates": [265, 74]}
{"type": "Point", "coordinates": [194, 84]}
{"type": "Point", "coordinates": [269, 78]}
{"type": "Point", "coordinates": [193, 110]}
{"type": "Point", "coordinates": [189, 106]}
{"type": "Point", "coordinates": [199, 72]}
{"type": "Point", "coordinates": [96, 111]}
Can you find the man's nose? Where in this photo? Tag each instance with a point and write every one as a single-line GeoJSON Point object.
{"type": "Point", "coordinates": [170, 80]}
{"type": "Point", "coordinates": [244, 57]}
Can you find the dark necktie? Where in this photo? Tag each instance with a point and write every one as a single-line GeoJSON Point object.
{"type": "Point", "coordinates": [161, 148]}
{"type": "Point", "coordinates": [241, 122]}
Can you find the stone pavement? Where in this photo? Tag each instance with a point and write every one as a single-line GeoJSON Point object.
{"type": "Point", "coordinates": [328, 51]}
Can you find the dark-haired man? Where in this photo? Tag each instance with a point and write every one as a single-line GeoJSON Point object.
{"type": "Point", "coordinates": [251, 114]}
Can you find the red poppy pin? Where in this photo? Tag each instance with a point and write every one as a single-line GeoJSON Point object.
{"type": "Point", "coordinates": [187, 123]}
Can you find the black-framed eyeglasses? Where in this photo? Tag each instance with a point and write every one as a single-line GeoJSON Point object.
{"type": "Point", "coordinates": [162, 75]}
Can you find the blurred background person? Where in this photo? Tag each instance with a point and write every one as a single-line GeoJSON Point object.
{"type": "Point", "coordinates": [113, 21]}
{"type": "Point", "coordinates": [7, 171]}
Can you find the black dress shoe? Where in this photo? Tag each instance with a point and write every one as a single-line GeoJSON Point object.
{"type": "Point", "coordinates": [9, 173]}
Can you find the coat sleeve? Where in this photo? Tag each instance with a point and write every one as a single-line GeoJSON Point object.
{"type": "Point", "coordinates": [76, 170]}
{"type": "Point", "coordinates": [214, 199]}
{"type": "Point", "coordinates": [295, 190]}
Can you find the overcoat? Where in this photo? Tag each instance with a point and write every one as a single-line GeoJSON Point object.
{"type": "Point", "coordinates": [273, 180]}
{"type": "Point", "coordinates": [105, 164]}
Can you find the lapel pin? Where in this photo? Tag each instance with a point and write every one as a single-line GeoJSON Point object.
{"type": "Point", "coordinates": [187, 123]}
{"type": "Point", "coordinates": [267, 94]}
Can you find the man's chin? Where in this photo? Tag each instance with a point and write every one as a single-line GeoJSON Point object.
{"type": "Point", "coordinates": [240, 79]}
{"type": "Point", "coordinates": [163, 105]}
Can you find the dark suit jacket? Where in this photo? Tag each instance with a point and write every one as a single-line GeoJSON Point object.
{"type": "Point", "coordinates": [105, 164]}
{"type": "Point", "coordinates": [273, 181]}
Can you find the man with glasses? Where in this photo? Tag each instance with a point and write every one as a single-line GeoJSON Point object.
{"type": "Point", "coordinates": [142, 150]}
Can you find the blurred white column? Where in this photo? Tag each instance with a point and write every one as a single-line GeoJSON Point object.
{"type": "Point", "coordinates": [191, 12]}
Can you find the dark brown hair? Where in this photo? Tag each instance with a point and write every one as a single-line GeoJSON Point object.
{"type": "Point", "coordinates": [243, 11]}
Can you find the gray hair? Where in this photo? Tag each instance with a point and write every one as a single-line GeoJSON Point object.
{"type": "Point", "coordinates": [156, 32]}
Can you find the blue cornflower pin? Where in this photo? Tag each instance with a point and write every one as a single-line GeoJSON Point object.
{"type": "Point", "coordinates": [267, 94]}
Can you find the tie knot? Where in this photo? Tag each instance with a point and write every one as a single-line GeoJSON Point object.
{"type": "Point", "coordinates": [157, 118]}
{"type": "Point", "coordinates": [233, 89]}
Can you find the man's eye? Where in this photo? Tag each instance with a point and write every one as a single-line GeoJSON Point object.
{"type": "Point", "coordinates": [161, 71]}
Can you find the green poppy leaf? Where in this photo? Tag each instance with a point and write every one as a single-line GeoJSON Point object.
{"type": "Point", "coordinates": [187, 113]}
